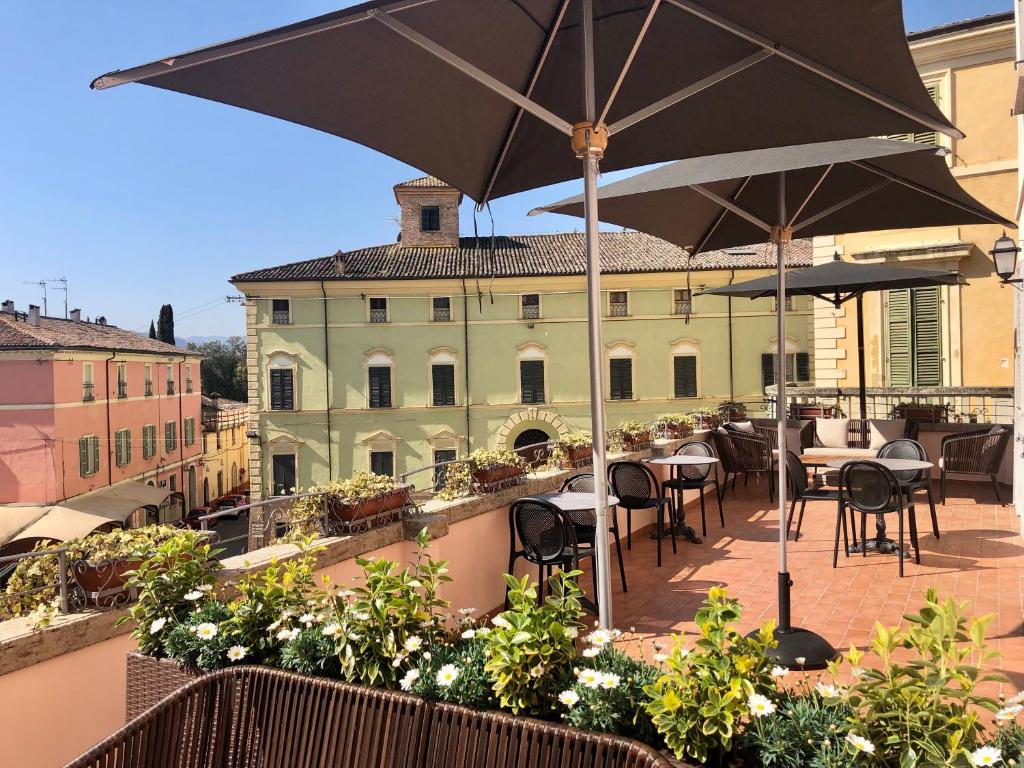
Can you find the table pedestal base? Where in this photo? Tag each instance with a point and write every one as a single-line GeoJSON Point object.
{"type": "Point", "coordinates": [683, 531]}
{"type": "Point", "coordinates": [884, 546]}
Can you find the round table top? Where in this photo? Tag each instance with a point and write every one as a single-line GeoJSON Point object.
{"type": "Point", "coordinates": [573, 501]}
{"type": "Point", "coordinates": [684, 460]}
{"type": "Point", "coordinates": [894, 465]}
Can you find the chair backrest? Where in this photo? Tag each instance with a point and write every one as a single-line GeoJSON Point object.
{"type": "Point", "coordinates": [752, 452]}
{"type": "Point", "coordinates": [797, 474]}
{"type": "Point", "coordinates": [725, 451]}
{"type": "Point", "coordinates": [905, 448]}
{"type": "Point", "coordinates": [867, 486]}
{"type": "Point", "coordinates": [695, 472]}
{"type": "Point", "coordinates": [543, 529]}
{"type": "Point", "coordinates": [631, 480]}
{"type": "Point", "coordinates": [581, 483]}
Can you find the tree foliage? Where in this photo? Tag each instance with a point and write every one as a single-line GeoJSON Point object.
{"type": "Point", "coordinates": [223, 368]}
{"type": "Point", "coordinates": [152, 330]}
{"type": "Point", "coordinates": [165, 324]}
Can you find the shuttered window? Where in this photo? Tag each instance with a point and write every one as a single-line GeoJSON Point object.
{"type": "Point", "coordinates": [767, 369]}
{"type": "Point", "coordinates": [149, 441]}
{"type": "Point", "coordinates": [170, 436]}
{"type": "Point", "coordinates": [923, 137]}
{"type": "Point", "coordinates": [282, 391]}
{"type": "Point", "coordinates": [380, 386]}
{"type": "Point", "coordinates": [803, 366]}
{"type": "Point", "coordinates": [915, 337]}
{"type": "Point", "coordinates": [382, 463]}
{"type": "Point", "coordinates": [443, 382]}
{"type": "Point", "coordinates": [531, 381]}
{"type": "Point", "coordinates": [88, 455]}
{"type": "Point", "coordinates": [430, 218]}
{"type": "Point", "coordinates": [798, 368]}
{"type": "Point", "coordinates": [684, 369]}
{"type": "Point", "coordinates": [123, 447]}
{"type": "Point", "coordinates": [190, 431]}
{"type": "Point", "coordinates": [621, 378]}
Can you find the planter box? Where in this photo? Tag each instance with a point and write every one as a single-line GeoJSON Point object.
{"type": "Point", "coordinates": [677, 431]}
{"type": "Point", "coordinates": [368, 508]}
{"type": "Point", "coordinates": [104, 583]}
{"type": "Point", "coordinates": [636, 442]}
{"type": "Point", "coordinates": [581, 456]}
{"type": "Point", "coordinates": [496, 478]}
{"type": "Point", "coordinates": [707, 422]}
{"type": "Point", "coordinates": [928, 414]}
{"type": "Point", "coordinates": [812, 412]}
{"type": "Point", "coordinates": [151, 680]}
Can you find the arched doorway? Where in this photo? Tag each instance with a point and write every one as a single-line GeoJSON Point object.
{"type": "Point", "coordinates": [234, 476]}
{"type": "Point", "coordinates": [206, 491]}
{"type": "Point", "coordinates": [192, 489]}
{"type": "Point", "coordinates": [530, 437]}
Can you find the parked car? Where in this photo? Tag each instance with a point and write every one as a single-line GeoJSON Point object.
{"type": "Point", "coordinates": [230, 501]}
{"type": "Point", "coordinates": [192, 518]}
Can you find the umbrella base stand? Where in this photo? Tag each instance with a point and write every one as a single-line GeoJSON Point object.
{"type": "Point", "coordinates": [797, 648]}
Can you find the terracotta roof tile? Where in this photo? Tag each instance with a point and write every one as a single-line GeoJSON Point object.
{"type": "Point", "coordinates": [424, 182]}
{"type": "Point", "coordinates": [57, 333]}
{"type": "Point", "coordinates": [522, 256]}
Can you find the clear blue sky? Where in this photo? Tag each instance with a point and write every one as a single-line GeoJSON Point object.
{"type": "Point", "coordinates": [139, 196]}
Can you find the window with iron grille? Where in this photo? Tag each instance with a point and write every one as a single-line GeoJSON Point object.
{"type": "Point", "coordinates": [684, 371]}
{"type": "Point", "coordinates": [379, 386]}
{"type": "Point", "coordinates": [531, 381]}
{"type": "Point", "coordinates": [190, 430]}
{"type": "Point", "coordinates": [149, 380]}
{"type": "Point", "coordinates": [442, 309]}
{"type": "Point", "coordinates": [282, 390]}
{"type": "Point", "coordinates": [530, 304]}
{"type": "Point", "coordinates": [382, 463]}
{"type": "Point", "coordinates": [443, 382]}
{"type": "Point", "coordinates": [149, 441]}
{"type": "Point", "coordinates": [280, 311]}
{"type": "Point", "coordinates": [170, 379]}
{"type": "Point", "coordinates": [619, 304]}
{"type": "Point", "coordinates": [682, 301]}
{"type": "Point", "coordinates": [122, 447]}
{"type": "Point", "coordinates": [430, 218]}
{"type": "Point", "coordinates": [88, 455]}
{"type": "Point", "coordinates": [441, 473]}
{"type": "Point", "coordinates": [122, 380]}
{"type": "Point", "coordinates": [170, 437]}
{"type": "Point", "coordinates": [620, 378]}
{"type": "Point", "coordinates": [378, 310]}
{"type": "Point", "coordinates": [789, 304]}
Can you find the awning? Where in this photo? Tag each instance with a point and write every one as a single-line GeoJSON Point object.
{"type": "Point", "coordinates": [117, 502]}
{"type": "Point", "coordinates": [13, 520]}
{"type": "Point", "coordinates": [61, 524]}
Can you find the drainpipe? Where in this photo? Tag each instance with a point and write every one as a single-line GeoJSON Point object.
{"type": "Point", "coordinates": [465, 365]}
{"type": "Point", "coordinates": [181, 436]}
{"type": "Point", "coordinates": [106, 385]}
{"type": "Point", "coordinates": [732, 384]}
{"type": "Point", "coordinates": [327, 386]}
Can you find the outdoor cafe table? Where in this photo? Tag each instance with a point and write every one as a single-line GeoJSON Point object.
{"type": "Point", "coordinates": [881, 543]}
{"type": "Point", "coordinates": [677, 462]}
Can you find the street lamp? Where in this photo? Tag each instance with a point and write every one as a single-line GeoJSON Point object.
{"type": "Point", "coordinates": [1004, 254]}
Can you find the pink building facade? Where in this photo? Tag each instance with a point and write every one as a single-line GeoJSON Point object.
{"type": "Point", "coordinates": [86, 405]}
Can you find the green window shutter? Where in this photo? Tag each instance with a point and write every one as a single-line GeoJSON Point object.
{"type": "Point", "coordinates": [83, 456]}
{"type": "Point", "coordinates": [685, 375]}
{"type": "Point", "coordinates": [900, 338]}
{"type": "Point", "coordinates": [621, 378]}
{"type": "Point", "coordinates": [380, 387]}
{"type": "Point", "coordinates": [443, 384]}
{"type": "Point", "coordinates": [803, 366]}
{"type": "Point", "coordinates": [95, 454]}
{"type": "Point", "coordinates": [531, 381]}
{"type": "Point", "coordinates": [382, 463]}
{"type": "Point", "coordinates": [127, 447]}
{"type": "Point", "coordinates": [767, 369]}
{"type": "Point", "coordinates": [926, 314]}
{"type": "Point", "coordinates": [119, 448]}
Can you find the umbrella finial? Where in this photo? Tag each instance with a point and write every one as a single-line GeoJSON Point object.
{"type": "Point", "coordinates": [835, 256]}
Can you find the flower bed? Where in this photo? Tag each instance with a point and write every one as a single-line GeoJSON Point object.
{"type": "Point", "coordinates": [356, 504]}
{"type": "Point", "coordinates": [716, 699]}
{"type": "Point", "coordinates": [483, 471]}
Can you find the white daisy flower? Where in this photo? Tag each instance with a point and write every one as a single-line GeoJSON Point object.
{"type": "Point", "coordinates": [591, 652]}
{"type": "Point", "coordinates": [569, 698]}
{"type": "Point", "coordinates": [572, 633]}
{"type": "Point", "coordinates": [413, 643]}
{"type": "Point", "coordinates": [482, 631]}
{"type": "Point", "coordinates": [986, 756]}
{"type": "Point", "coordinates": [407, 682]}
{"type": "Point", "coordinates": [206, 631]}
{"type": "Point", "coordinates": [468, 634]}
{"type": "Point", "coordinates": [361, 616]}
{"type": "Point", "coordinates": [205, 587]}
{"type": "Point", "coordinates": [800, 660]}
{"type": "Point", "coordinates": [827, 691]}
{"type": "Point", "coordinates": [467, 611]}
{"type": "Point", "coordinates": [599, 637]}
{"type": "Point", "coordinates": [308, 619]}
{"type": "Point", "coordinates": [288, 634]}
{"type": "Point", "coordinates": [661, 658]}
{"type": "Point", "coordinates": [274, 625]}
{"type": "Point", "coordinates": [610, 681]}
{"type": "Point", "coordinates": [237, 652]}
{"type": "Point", "coordinates": [858, 672]}
{"type": "Point", "coordinates": [1017, 698]}
{"type": "Point", "coordinates": [157, 625]}
{"type": "Point", "coordinates": [859, 743]}
{"type": "Point", "coordinates": [333, 630]}
{"type": "Point", "coordinates": [345, 594]}
{"type": "Point", "coordinates": [760, 706]}
{"type": "Point", "coordinates": [779, 671]}
{"type": "Point", "coordinates": [683, 652]}
{"type": "Point", "coordinates": [499, 621]}
{"type": "Point", "coordinates": [591, 678]}
{"type": "Point", "coordinates": [194, 595]}
{"type": "Point", "coordinates": [447, 675]}
{"type": "Point", "coordinates": [1009, 712]}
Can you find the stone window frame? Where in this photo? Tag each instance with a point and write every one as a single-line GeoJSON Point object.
{"type": "Point", "coordinates": [282, 360]}
{"type": "Point", "coordinates": [379, 358]}
{"type": "Point", "coordinates": [437, 356]}
{"type": "Point", "coordinates": [620, 350]}
{"type": "Point", "coordinates": [686, 347]}
{"type": "Point", "coordinates": [532, 350]}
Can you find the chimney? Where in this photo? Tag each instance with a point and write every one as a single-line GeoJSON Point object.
{"type": "Point", "coordinates": [33, 314]}
{"type": "Point", "coordinates": [339, 263]}
{"type": "Point", "coordinates": [76, 315]}
{"type": "Point", "coordinates": [8, 306]}
{"type": "Point", "coordinates": [101, 320]}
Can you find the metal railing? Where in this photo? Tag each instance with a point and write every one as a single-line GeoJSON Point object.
{"type": "Point", "coordinates": [88, 392]}
{"type": "Point", "coordinates": [442, 314]}
{"type": "Point", "coordinates": [66, 596]}
{"type": "Point", "coordinates": [378, 315]}
{"type": "Point", "coordinates": [170, 387]}
{"type": "Point", "coordinates": [122, 390]}
{"type": "Point", "coordinates": [531, 312]}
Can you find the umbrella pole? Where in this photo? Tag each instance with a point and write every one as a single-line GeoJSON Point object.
{"type": "Point", "coordinates": [590, 152]}
{"type": "Point", "coordinates": [860, 360]}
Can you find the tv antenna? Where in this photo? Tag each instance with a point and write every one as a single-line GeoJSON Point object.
{"type": "Point", "coordinates": [59, 283]}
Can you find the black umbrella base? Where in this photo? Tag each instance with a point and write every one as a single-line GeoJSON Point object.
{"type": "Point", "coordinates": [801, 649]}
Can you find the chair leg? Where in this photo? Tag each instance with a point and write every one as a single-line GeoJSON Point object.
{"type": "Point", "coordinates": [840, 523]}
{"type": "Point", "coordinates": [900, 556]}
{"type": "Point", "coordinates": [995, 487]}
{"type": "Point", "coordinates": [846, 537]}
{"type": "Point", "coordinates": [629, 529]}
{"type": "Point", "coordinates": [672, 529]}
{"type": "Point", "coordinates": [593, 568]}
{"type": "Point", "coordinates": [721, 512]}
{"type": "Point", "coordinates": [511, 566]}
{"type": "Point", "coordinates": [800, 520]}
{"type": "Point", "coordinates": [913, 536]}
{"type": "Point", "coordinates": [853, 526]}
{"type": "Point", "coordinates": [789, 518]}
{"type": "Point", "coordinates": [622, 566]}
{"type": "Point", "coordinates": [703, 517]}
{"type": "Point", "coordinates": [771, 487]}
{"type": "Point", "coordinates": [540, 587]}
{"type": "Point", "coordinates": [942, 486]}
{"type": "Point", "coordinates": [864, 533]}
{"type": "Point", "coordinates": [931, 506]}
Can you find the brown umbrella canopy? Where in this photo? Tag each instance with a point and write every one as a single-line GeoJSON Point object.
{"type": "Point", "coordinates": [754, 75]}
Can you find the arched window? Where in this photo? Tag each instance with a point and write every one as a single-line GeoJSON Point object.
{"type": "Point", "coordinates": [686, 369]}
{"type": "Point", "coordinates": [380, 377]}
{"type": "Point", "coordinates": [620, 370]}
{"type": "Point", "coordinates": [443, 378]}
{"type": "Point", "coordinates": [531, 374]}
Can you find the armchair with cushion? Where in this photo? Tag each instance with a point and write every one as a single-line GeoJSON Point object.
{"type": "Point", "coordinates": [857, 437]}
{"type": "Point", "coordinates": [744, 452]}
{"type": "Point", "coordinates": [974, 453]}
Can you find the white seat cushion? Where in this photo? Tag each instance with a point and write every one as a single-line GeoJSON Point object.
{"type": "Point", "coordinates": [832, 433]}
{"type": "Point", "coordinates": [884, 430]}
{"type": "Point", "coordinates": [843, 452]}
{"type": "Point", "coordinates": [743, 426]}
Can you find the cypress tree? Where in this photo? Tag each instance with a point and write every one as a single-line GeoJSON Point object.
{"type": "Point", "coordinates": [165, 324]}
{"type": "Point", "coordinates": [152, 330]}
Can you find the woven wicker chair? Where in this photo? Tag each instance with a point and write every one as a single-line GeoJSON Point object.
{"type": "Point", "coordinates": [912, 480]}
{"type": "Point", "coordinates": [637, 488]}
{"type": "Point", "coordinates": [254, 716]}
{"type": "Point", "coordinates": [585, 520]}
{"type": "Point", "coordinates": [871, 489]}
{"type": "Point", "coordinates": [745, 453]}
{"type": "Point", "coordinates": [974, 453]}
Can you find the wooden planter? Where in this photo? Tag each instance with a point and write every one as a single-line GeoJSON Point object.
{"type": "Point", "coordinates": [928, 414]}
{"type": "Point", "coordinates": [369, 507]}
{"type": "Point", "coordinates": [580, 456]}
{"type": "Point", "coordinates": [677, 431]}
{"type": "Point", "coordinates": [636, 442]}
{"type": "Point", "coordinates": [496, 478]}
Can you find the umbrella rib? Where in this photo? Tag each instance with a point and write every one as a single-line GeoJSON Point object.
{"type": "Point", "coordinates": [629, 61]}
{"type": "Point", "coordinates": [841, 204]}
{"type": "Point", "coordinates": [718, 219]}
{"type": "Point", "coordinates": [691, 90]}
{"type": "Point", "coordinates": [812, 193]}
{"type": "Point", "coordinates": [817, 68]}
{"type": "Point", "coordinates": [535, 76]}
{"type": "Point", "coordinates": [471, 71]}
{"type": "Point", "coordinates": [731, 206]}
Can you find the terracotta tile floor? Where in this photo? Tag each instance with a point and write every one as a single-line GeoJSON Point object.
{"type": "Point", "coordinates": [979, 559]}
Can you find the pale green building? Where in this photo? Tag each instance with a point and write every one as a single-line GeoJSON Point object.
{"type": "Point", "coordinates": [397, 356]}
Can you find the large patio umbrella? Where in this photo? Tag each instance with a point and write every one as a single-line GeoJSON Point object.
{"type": "Point", "coordinates": [831, 188]}
{"type": "Point", "coordinates": [837, 282]}
{"type": "Point", "coordinates": [499, 96]}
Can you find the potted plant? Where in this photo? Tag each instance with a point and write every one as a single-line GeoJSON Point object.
{"type": "Point", "coordinates": [635, 435]}
{"type": "Point", "coordinates": [812, 410]}
{"type": "Point", "coordinates": [492, 470]}
{"type": "Point", "coordinates": [732, 410]}
{"type": "Point", "coordinates": [706, 418]}
{"type": "Point", "coordinates": [930, 413]}
{"type": "Point", "coordinates": [673, 426]}
{"type": "Point", "coordinates": [574, 450]}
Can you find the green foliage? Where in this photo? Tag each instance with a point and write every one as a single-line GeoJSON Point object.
{"type": "Point", "coordinates": [582, 439]}
{"type": "Point", "coordinates": [182, 565]}
{"type": "Point", "coordinates": [672, 420]}
{"type": "Point", "coordinates": [165, 324]}
{"type": "Point", "coordinates": [920, 708]}
{"type": "Point", "coordinates": [182, 642]}
{"type": "Point", "coordinates": [152, 330]}
{"type": "Point", "coordinates": [633, 428]}
{"type": "Point", "coordinates": [471, 686]}
{"type": "Point", "coordinates": [615, 704]}
{"type": "Point", "coordinates": [223, 368]}
{"type": "Point", "coordinates": [459, 476]}
{"type": "Point", "coordinates": [311, 653]}
{"type": "Point", "coordinates": [806, 732]}
{"type": "Point", "coordinates": [706, 418]}
{"type": "Point", "coordinates": [530, 643]}
{"type": "Point", "coordinates": [700, 701]}
{"type": "Point", "coordinates": [1009, 740]}
{"type": "Point", "coordinates": [308, 512]}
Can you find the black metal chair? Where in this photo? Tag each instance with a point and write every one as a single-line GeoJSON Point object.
{"type": "Point", "coordinates": [548, 539]}
{"type": "Point", "coordinates": [800, 490]}
{"type": "Point", "coordinates": [585, 520]}
{"type": "Point", "coordinates": [910, 479]}
{"type": "Point", "coordinates": [871, 489]}
{"type": "Point", "coordinates": [696, 478]}
{"type": "Point", "coordinates": [637, 488]}
{"type": "Point", "coordinates": [974, 453]}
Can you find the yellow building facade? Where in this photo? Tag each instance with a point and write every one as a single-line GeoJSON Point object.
{"type": "Point", "coordinates": [950, 336]}
{"type": "Point", "coordinates": [225, 449]}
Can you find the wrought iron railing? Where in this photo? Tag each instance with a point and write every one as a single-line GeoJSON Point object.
{"type": "Point", "coordinates": [442, 314]}
{"type": "Point", "coordinates": [531, 312]}
{"type": "Point", "coordinates": [170, 387]}
{"type": "Point", "coordinates": [378, 315]}
{"type": "Point", "coordinates": [88, 392]}
{"type": "Point", "coordinates": [122, 390]}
